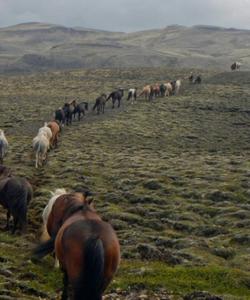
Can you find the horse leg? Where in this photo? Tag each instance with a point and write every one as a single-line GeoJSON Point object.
{"type": "Point", "coordinates": [56, 139]}
{"type": "Point", "coordinates": [65, 286]}
{"type": "Point", "coordinates": [37, 159]}
{"type": "Point", "coordinates": [113, 102]}
{"type": "Point", "coordinates": [15, 224]}
{"type": "Point", "coordinates": [7, 227]}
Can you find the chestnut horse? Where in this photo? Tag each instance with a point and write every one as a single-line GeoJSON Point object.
{"type": "Point", "coordinates": [55, 129]}
{"type": "Point", "coordinates": [86, 247]}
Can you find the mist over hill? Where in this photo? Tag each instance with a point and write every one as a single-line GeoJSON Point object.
{"type": "Point", "coordinates": [39, 46]}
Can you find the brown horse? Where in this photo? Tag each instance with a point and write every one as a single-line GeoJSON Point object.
{"type": "Point", "coordinates": [146, 92]}
{"type": "Point", "coordinates": [55, 129]}
{"type": "Point", "coordinates": [100, 103]}
{"type": "Point", "coordinates": [86, 247]}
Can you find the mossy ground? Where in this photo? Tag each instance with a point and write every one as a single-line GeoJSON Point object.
{"type": "Point", "coordinates": [172, 176]}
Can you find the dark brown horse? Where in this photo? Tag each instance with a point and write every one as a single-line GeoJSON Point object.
{"type": "Point", "coordinates": [86, 247]}
{"type": "Point", "coordinates": [69, 111]}
{"type": "Point", "coordinates": [100, 103]}
{"type": "Point", "coordinates": [15, 195]}
{"type": "Point", "coordinates": [80, 109]}
{"type": "Point", "coordinates": [116, 96]}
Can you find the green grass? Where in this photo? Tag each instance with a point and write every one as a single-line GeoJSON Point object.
{"type": "Point", "coordinates": [182, 280]}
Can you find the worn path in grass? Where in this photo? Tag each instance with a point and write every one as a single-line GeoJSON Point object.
{"type": "Point", "coordinates": [172, 177]}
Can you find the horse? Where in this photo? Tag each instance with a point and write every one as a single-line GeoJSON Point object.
{"type": "Point", "coordinates": [69, 111]}
{"type": "Point", "coordinates": [177, 86]}
{"type": "Point", "coordinates": [87, 247]}
{"type": "Point", "coordinates": [15, 195]}
{"type": "Point", "coordinates": [55, 129]}
{"type": "Point", "coordinates": [60, 116]}
{"type": "Point", "coordinates": [155, 90]}
{"type": "Point", "coordinates": [45, 130]}
{"type": "Point", "coordinates": [80, 109]}
{"type": "Point", "coordinates": [162, 90]}
{"type": "Point", "coordinates": [41, 146]}
{"type": "Point", "coordinates": [197, 80]}
{"type": "Point", "coordinates": [146, 91]}
{"type": "Point", "coordinates": [235, 66]}
{"type": "Point", "coordinates": [132, 94]}
{"type": "Point", "coordinates": [100, 103]}
{"type": "Point", "coordinates": [3, 145]}
{"type": "Point", "coordinates": [169, 89]}
{"type": "Point", "coordinates": [45, 215]}
{"type": "Point", "coordinates": [191, 77]}
{"type": "Point", "coordinates": [116, 96]}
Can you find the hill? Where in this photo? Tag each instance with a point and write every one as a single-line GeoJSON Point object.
{"type": "Point", "coordinates": [171, 176]}
{"type": "Point", "coordinates": [38, 46]}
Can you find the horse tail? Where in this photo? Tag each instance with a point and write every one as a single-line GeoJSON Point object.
{"type": "Point", "coordinates": [109, 97]}
{"type": "Point", "coordinates": [44, 249]}
{"type": "Point", "coordinates": [129, 95]}
{"type": "Point", "coordinates": [1, 150]}
{"type": "Point", "coordinates": [90, 282]}
{"type": "Point", "coordinates": [94, 107]}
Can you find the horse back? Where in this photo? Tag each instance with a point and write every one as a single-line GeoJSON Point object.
{"type": "Point", "coordinates": [71, 241]}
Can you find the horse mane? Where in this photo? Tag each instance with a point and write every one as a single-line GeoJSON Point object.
{"type": "Point", "coordinates": [58, 192]}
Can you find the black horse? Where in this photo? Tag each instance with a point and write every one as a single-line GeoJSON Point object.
{"type": "Point", "coordinates": [15, 195]}
{"type": "Point", "coordinates": [69, 111]}
{"type": "Point", "coordinates": [162, 90]}
{"type": "Point", "coordinates": [197, 79]}
{"type": "Point", "coordinates": [80, 109]}
{"type": "Point", "coordinates": [116, 96]}
{"type": "Point", "coordinates": [60, 116]}
{"type": "Point", "coordinates": [100, 103]}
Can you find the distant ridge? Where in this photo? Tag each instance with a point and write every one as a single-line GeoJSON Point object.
{"type": "Point", "coordinates": [35, 46]}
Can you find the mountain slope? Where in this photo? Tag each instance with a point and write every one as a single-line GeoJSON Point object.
{"type": "Point", "coordinates": [35, 46]}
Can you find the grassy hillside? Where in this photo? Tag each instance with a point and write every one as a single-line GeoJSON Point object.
{"type": "Point", "coordinates": [172, 177]}
{"type": "Point", "coordinates": [38, 46]}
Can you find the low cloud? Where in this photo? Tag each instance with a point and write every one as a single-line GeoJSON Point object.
{"type": "Point", "coordinates": [127, 15]}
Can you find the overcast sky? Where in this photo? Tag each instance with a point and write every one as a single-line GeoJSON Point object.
{"type": "Point", "coordinates": [127, 15]}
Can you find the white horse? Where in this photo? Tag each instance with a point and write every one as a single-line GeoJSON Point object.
{"type": "Point", "coordinates": [41, 146]}
{"type": "Point", "coordinates": [177, 86]}
{"type": "Point", "coordinates": [45, 215]}
{"type": "Point", "coordinates": [169, 89]}
{"type": "Point", "coordinates": [45, 130]}
{"type": "Point", "coordinates": [3, 145]}
{"type": "Point", "coordinates": [132, 94]}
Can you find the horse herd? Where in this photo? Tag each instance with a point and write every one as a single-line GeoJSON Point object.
{"type": "Point", "coordinates": [86, 247]}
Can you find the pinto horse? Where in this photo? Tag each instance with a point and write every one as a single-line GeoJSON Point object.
{"type": "Point", "coordinates": [235, 66]}
{"type": "Point", "coordinates": [87, 247]}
